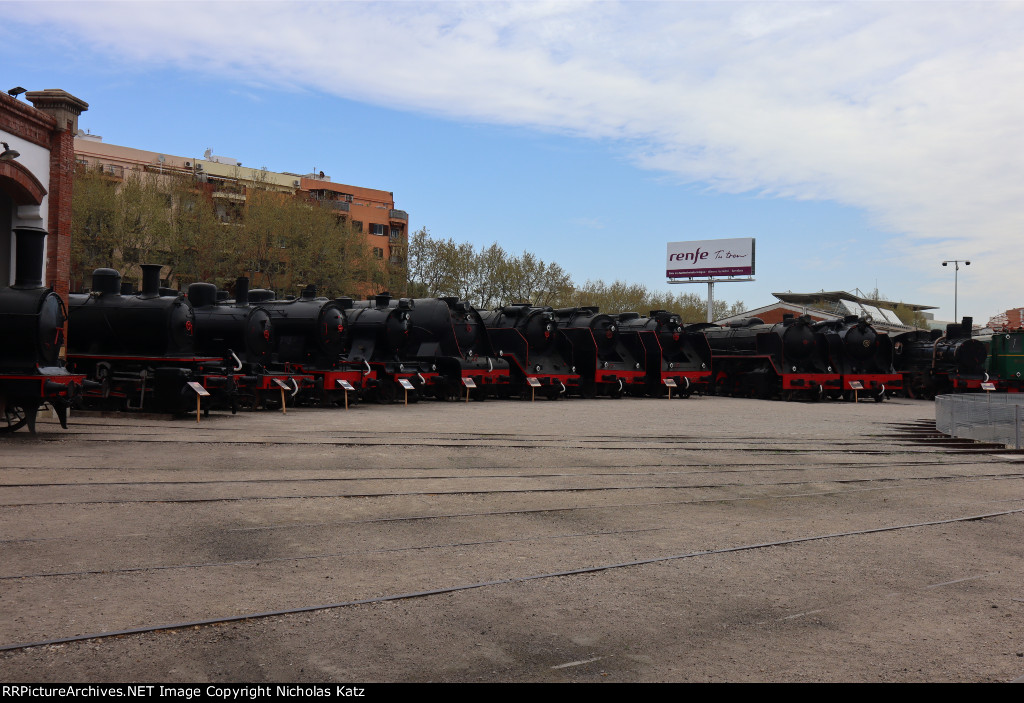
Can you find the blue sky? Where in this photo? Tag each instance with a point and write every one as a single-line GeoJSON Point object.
{"type": "Point", "coordinates": [859, 143]}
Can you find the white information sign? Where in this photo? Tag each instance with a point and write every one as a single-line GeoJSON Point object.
{"type": "Point", "coordinates": [710, 257]}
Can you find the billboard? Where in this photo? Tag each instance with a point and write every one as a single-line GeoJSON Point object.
{"type": "Point", "coordinates": [710, 257]}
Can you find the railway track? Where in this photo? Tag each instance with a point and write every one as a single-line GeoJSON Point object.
{"type": "Point", "coordinates": [110, 541]}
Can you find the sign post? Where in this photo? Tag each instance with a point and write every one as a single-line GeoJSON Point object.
{"type": "Point", "coordinates": [468, 383]}
{"type": "Point", "coordinates": [710, 261]}
{"type": "Point", "coordinates": [534, 385]}
{"type": "Point", "coordinates": [346, 387]}
{"type": "Point", "coordinates": [670, 383]}
{"type": "Point", "coordinates": [284, 387]}
{"type": "Point", "coordinates": [200, 392]}
{"type": "Point", "coordinates": [856, 386]}
{"type": "Point", "coordinates": [407, 385]}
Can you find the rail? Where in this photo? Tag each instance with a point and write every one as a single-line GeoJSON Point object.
{"type": "Point", "coordinates": [992, 417]}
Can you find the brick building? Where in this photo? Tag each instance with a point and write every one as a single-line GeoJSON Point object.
{"type": "Point", "coordinates": [36, 176]}
{"type": "Point", "coordinates": [1012, 319]}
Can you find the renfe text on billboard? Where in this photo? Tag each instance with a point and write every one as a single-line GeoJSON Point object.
{"type": "Point", "coordinates": [710, 258]}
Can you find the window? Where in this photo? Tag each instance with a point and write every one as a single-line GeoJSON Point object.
{"type": "Point", "coordinates": [396, 232]}
{"type": "Point", "coordinates": [378, 253]}
{"type": "Point", "coordinates": [357, 225]}
{"type": "Point", "coordinates": [378, 229]}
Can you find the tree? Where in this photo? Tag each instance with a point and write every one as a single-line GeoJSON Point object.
{"type": "Point", "coordinates": [490, 278]}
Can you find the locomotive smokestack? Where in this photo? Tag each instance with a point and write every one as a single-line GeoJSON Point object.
{"type": "Point", "coordinates": [968, 324]}
{"type": "Point", "coordinates": [150, 280]}
{"type": "Point", "coordinates": [309, 292]}
{"type": "Point", "coordinates": [242, 291]}
{"type": "Point", "coordinates": [28, 262]}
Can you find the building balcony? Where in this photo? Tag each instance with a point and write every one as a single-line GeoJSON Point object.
{"type": "Point", "coordinates": [398, 215]}
{"type": "Point", "coordinates": [339, 205]}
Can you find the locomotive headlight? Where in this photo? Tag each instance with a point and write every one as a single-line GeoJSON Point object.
{"type": "Point", "coordinates": [401, 367]}
{"type": "Point", "coordinates": [433, 367]}
{"type": "Point", "coordinates": [794, 368]}
{"type": "Point", "coordinates": [573, 370]}
{"type": "Point", "coordinates": [829, 369]}
{"type": "Point", "coordinates": [638, 365]}
{"type": "Point", "coordinates": [703, 365]}
{"type": "Point", "coordinates": [671, 365]}
{"type": "Point", "coordinates": [604, 365]}
{"type": "Point", "coordinates": [537, 368]}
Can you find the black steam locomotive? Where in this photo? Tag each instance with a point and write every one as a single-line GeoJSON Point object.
{"type": "Point", "coordinates": [31, 336]}
{"type": "Point", "coordinates": [934, 363]}
{"type": "Point", "coordinates": [140, 348]}
{"type": "Point", "coordinates": [788, 360]}
{"type": "Point", "coordinates": [863, 357]}
{"type": "Point", "coordinates": [671, 352]}
{"type": "Point", "coordinates": [449, 335]}
{"type": "Point", "coordinates": [606, 366]}
{"type": "Point", "coordinates": [539, 357]}
{"type": "Point", "coordinates": [311, 337]}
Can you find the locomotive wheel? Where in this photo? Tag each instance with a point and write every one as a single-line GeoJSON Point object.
{"type": "Point", "coordinates": [588, 389]}
{"type": "Point", "coordinates": [14, 418]}
{"type": "Point", "coordinates": [246, 402]}
{"type": "Point", "coordinates": [270, 400]}
{"type": "Point", "coordinates": [384, 393]}
{"type": "Point", "coordinates": [552, 392]}
{"type": "Point", "coordinates": [452, 391]}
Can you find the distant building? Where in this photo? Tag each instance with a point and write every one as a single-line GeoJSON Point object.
{"type": "Point", "coordinates": [1010, 320]}
{"type": "Point", "coordinates": [830, 306]}
{"type": "Point", "coordinates": [227, 181]}
{"type": "Point", "coordinates": [36, 176]}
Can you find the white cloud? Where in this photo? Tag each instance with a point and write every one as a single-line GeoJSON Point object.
{"type": "Point", "coordinates": [912, 111]}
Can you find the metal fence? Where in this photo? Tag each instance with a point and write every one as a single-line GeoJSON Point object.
{"type": "Point", "coordinates": [992, 417]}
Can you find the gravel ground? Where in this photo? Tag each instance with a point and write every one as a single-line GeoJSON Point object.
{"type": "Point", "coordinates": [708, 539]}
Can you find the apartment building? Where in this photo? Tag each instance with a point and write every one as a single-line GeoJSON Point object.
{"type": "Point", "coordinates": [228, 182]}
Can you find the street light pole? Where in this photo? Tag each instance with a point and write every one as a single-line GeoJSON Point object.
{"type": "Point", "coordinates": [956, 272]}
